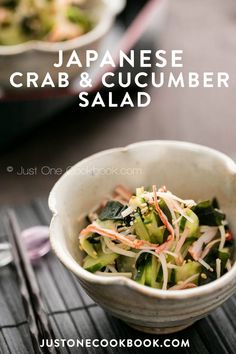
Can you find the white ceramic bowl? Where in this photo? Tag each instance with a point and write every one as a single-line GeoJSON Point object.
{"type": "Point", "coordinates": [39, 56]}
{"type": "Point", "coordinates": [189, 170]}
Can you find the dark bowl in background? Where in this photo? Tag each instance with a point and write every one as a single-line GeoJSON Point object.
{"type": "Point", "coordinates": [20, 115]}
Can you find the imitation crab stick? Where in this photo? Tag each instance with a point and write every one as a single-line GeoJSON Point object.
{"type": "Point", "coordinates": [138, 244]}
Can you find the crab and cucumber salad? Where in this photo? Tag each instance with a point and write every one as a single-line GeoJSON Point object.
{"type": "Point", "coordinates": [47, 20]}
{"type": "Point", "coordinates": [157, 239]}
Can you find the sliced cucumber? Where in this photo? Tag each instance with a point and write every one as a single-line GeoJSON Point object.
{"type": "Point", "coordinates": [140, 228]}
{"type": "Point", "coordinates": [88, 247]}
{"type": "Point", "coordinates": [148, 229]}
{"type": "Point", "coordinates": [141, 265]}
{"type": "Point", "coordinates": [102, 260]}
{"type": "Point", "coordinates": [148, 271]}
{"type": "Point", "coordinates": [165, 210]}
{"type": "Point", "coordinates": [151, 271]}
{"type": "Point", "coordinates": [185, 247]}
{"type": "Point", "coordinates": [126, 264]}
{"type": "Point", "coordinates": [159, 277]}
{"type": "Point", "coordinates": [193, 227]}
{"type": "Point", "coordinates": [185, 271]}
{"type": "Point", "coordinates": [140, 275]}
{"type": "Point", "coordinates": [106, 224]}
{"type": "Point", "coordinates": [156, 233]}
{"type": "Point", "coordinates": [224, 255]}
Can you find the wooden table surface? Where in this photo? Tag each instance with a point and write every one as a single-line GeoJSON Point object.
{"type": "Point", "coordinates": [206, 31]}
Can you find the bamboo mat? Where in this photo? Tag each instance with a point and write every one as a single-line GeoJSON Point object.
{"type": "Point", "coordinates": [72, 314]}
{"type": "Point", "coordinates": [14, 330]}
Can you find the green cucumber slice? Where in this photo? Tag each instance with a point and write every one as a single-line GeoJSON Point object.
{"type": "Point", "coordinates": [102, 260]}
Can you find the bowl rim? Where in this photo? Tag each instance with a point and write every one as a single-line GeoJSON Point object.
{"type": "Point", "coordinates": [99, 30]}
{"type": "Point", "coordinates": [228, 279]}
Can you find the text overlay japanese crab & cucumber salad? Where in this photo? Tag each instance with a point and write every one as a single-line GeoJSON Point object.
{"type": "Point", "coordinates": [157, 239]}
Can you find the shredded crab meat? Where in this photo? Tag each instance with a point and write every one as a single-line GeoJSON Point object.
{"type": "Point", "coordinates": [177, 220]}
{"type": "Point", "coordinates": [228, 265]}
{"type": "Point", "coordinates": [130, 236]}
{"type": "Point", "coordinates": [186, 284]}
{"type": "Point", "coordinates": [127, 211]}
{"type": "Point", "coordinates": [209, 246]}
{"type": "Point", "coordinates": [181, 212]}
{"type": "Point", "coordinates": [222, 237]}
{"type": "Point", "coordinates": [138, 244]}
{"type": "Point", "coordinates": [196, 249]}
{"type": "Point", "coordinates": [105, 249]}
{"type": "Point", "coordinates": [175, 255]}
{"type": "Point", "coordinates": [188, 202]}
{"type": "Point", "coordinates": [168, 197]}
{"type": "Point", "coordinates": [165, 271]}
{"type": "Point", "coordinates": [127, 233]}
{"type": "Point", "coordinates": [164, 220]}
{"type": "Point", "coordinates": [97, 208]}
{"type": "Point", "coordinates": [165, 245]}
{"type": "Point", "coordinates": [218, 268]}
{"type": "Point", "coordinates": [183, 286]}
{"type": "Point", "coordinates": [182, 240]}
{"type": "Point", "coordinates": [180, 259]}
{"type": "Point", "coordinates": [123, 192]}
{"type": "Point", "coordinates": [93, 228]}
{"type": "Point", "coordinates": [117, 249]}
{"type": "Point", "coordinates": [205, 228]}
{"type": "Point", "coordinates": [162, 189]}
{"type": "Point", "coordinates": [205, 264]}
{"type": "Point", "coordinates": [111, 268]}
{"type": "Point", "coordinates": [170, 206]}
